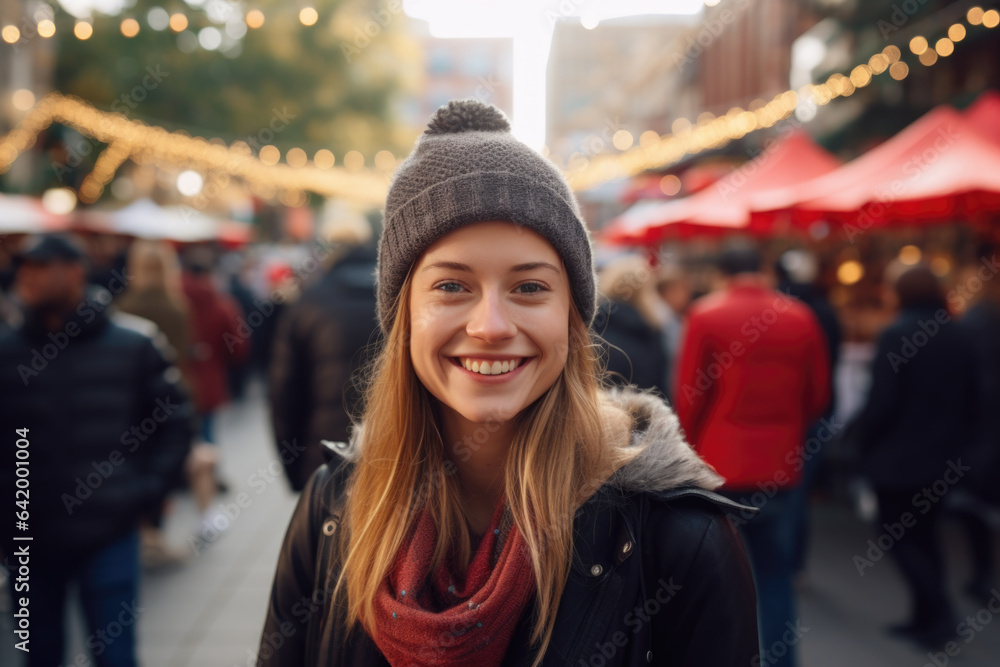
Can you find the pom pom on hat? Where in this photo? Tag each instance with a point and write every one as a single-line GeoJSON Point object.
{"type": "Point", "coordinates": [467, 116]}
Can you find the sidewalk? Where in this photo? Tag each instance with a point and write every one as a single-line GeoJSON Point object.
{"type": "Point", "coordinates": [209, 613]}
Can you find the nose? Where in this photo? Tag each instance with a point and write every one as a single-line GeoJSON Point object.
{"type": "Point", "coordinates": [489, 320]}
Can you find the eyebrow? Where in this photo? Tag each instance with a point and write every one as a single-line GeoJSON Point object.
{"type": "Point", "coordinates": [518, 268]}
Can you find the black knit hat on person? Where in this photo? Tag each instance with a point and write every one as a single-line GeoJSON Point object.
{"type": "Point", "coordinates": [467, 167]}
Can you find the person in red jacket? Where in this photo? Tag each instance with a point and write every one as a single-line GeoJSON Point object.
{"type": "Point", "coordinates": [217, 343]}
{"type": "Point", "coordinates": [754, 374]}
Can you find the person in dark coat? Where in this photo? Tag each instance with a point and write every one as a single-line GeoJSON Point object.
{"type": "Point", "coordinates": [982, 325]}
{"type": "Point", "coordinates": [97, 413]}
{"type": "Point", "coordinates": [628, 327]}
{"type": "Point", "coordinates": [319, 346]}
{"type": "Point", "coordinates": [912, 432]}
{"type": "Point", "coordinates": [502, 507]}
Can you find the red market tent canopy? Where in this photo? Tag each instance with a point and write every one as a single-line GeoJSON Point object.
{"type": "Point", "coordinates": [936, 170]}
{"type": "Point", "coordinates": [724, 206]}
{"type": "Point", "coordinates": [984, 115]}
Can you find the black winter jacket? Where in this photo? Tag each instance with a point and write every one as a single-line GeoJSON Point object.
{"type": "Point", "coordinates": [660, 575]}
{"type": "Point", "coordinates": [921, 404]}
{"type": "Point", "coordinates": [106, 423]}
{"type": "Point", "coordinates": [320, 343]}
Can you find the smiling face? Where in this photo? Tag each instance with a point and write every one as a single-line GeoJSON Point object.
{"type": "Point", "coordinates": [489, 307]}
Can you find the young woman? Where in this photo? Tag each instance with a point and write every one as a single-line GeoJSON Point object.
{"type": "Point", "coordinates": [496, 505]}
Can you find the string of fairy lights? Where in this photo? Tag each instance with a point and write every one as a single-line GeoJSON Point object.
{"type": "Point", "coordinates": [133, 140]}
{"type": "Point", "coordinates": [157, 18]}
{"type": "Point", "coordinates": [708, 132]}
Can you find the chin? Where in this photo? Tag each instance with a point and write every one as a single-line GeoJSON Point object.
{"type": "Point", "coordinates": [483, 412]}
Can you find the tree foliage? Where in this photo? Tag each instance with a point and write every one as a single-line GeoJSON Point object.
{"type": "Point", "coordinates": [337, 84]}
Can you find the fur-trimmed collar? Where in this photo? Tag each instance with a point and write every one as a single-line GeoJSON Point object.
{"type": "Point", "coordinates": [665, 460]}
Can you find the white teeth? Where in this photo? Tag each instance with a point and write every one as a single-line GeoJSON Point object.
{"type": "Point", "coordinates": [489, 368]}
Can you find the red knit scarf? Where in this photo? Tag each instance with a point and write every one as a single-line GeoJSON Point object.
{"type": "Point", "coordinates": [434, 619]}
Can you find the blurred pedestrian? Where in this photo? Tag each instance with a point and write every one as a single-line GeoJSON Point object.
{"type": "Point", "coordinates": [628, 325]}
{"type": "Point", "coordinates": [912, 431]}
{"type": "Point", "coordinates": [495, 505]}
{"type": "Point", "coordinates": [674, 287]}
{"type": "Point", "coordinates": [982, 325]}
{"type": "Point", "coordinates": [319, 346]}
{"type": "Point", "coordinates": [239, 375]}
{"type": "Point", "coordinates": [154, 293]}
{"type": "Point", "coordinates": [106, 426]}
{"type": "Point", "coordinates": [217, 343]}
{"type": "Point", "coordinates": [753, 376]}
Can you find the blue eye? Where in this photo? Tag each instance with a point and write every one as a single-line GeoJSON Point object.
{"type": "Point", "coordinates": [451, 287]}
{"type": "Point", "coordinates": [534, 288]}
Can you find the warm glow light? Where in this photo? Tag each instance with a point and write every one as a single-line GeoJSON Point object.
{"type": "Point", "coordinates": [956, 33]}
{"type": "Point", "coordinates": [308, 16]}
{"type": "Point", "coordinates": [991, 19]}
{"type": "Point", "coordinates": [269, 155]}
{"type": "Point", "coordinates": [59, 201]}
{"type": "Point", "coordinates": [622, 140]}
{"type": "Point", "coordinates": [944, 47]}
{"type": "Point", "coordinates": [178, 22]}
{"type": "Point", "coordinates": [10, 34]}
{"type": "Point", "coordinates": [892, 52]}
{"type": "Point", "coordinates": [324, 159]}
{"type": "Point", "coordinates": [899, 70]}
{"type": "Point", "coordinates": [909, 255]}
{"type": "Point", "coordinates": [354, 161]}
{"type": "Point", "coordinates": [918, 45]}
{"type": "Point", "coordinates": [649, 138]}
{"type": "Point", "coordinates": [861, 76]}
{"type": "Point", "coordinates": [940, 266]}
{"type": "Point", "coordinates": [255, 18]}
{"type": "Point", "coordinates": [670, 185]}
{"type": "Point", "coordinates": [974, 15]}
{"type": "Point", "coordinates": [130, 27]}
{"type": "Point", "coordinates": [385, 160]}
{"type": "Point", "coordinates": [929, 57]}
{"type": "Point", "coordinates": [23, 99]}
{"type": "Point", "coordinates": [296, 157]}
{"type": "Point", "coordinates": [83, 30]}
{"type": "Point", "coordinates": [878, 63]}
{"type": "Point", "coordinates": [46, 28]}
{"type": "Point", "coordinates": [189, 183]}
{"type": "Point", "coordinates": [850, 272]}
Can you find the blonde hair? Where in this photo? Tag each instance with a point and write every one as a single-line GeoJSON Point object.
{"type": "Point", "coordinates": [567, 444]}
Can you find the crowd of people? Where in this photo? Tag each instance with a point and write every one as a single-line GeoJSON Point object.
{"type": "Point", "coordinates": [116, 362]}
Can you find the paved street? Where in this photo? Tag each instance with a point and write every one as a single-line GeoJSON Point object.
{"type": "Point", "coordinates": [209, 613]}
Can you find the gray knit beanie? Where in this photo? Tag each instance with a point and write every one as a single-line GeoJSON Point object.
{"type": "Point", "coordinates": [467, 167]}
